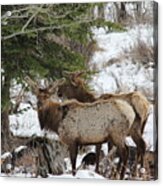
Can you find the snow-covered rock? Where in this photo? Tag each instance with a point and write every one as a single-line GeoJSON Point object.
{"type": "Point", "coordinates": [26, 122]}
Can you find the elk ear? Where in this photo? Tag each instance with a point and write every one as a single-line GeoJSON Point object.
{"type": "Point", "coordinates": [32, 84]}
{"type": "Point", "coordinates": [78, 74]}
{"type": "Point", "coordinates": [53, 88]}
{"type": "Point", "coordinates": [73, 74]}
{"type": "Point", "coordinates": [73, 82]}
{"type": "Point", "coordinates": [66, 74]}
{"type": "Point", "coordinates": [75, 78]}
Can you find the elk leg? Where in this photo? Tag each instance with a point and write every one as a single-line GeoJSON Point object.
{"type": "Point", "coordinates": [136, 134]}
{"type": "Point", "coordinates": [98, 148]}
{"type": "Point", "coordinates": [141, 147]}
{"type": "Point", "coordinates": [123, 153]}
{"type": "Point", "coordinates": [143, 126]}
{"type": "Point", "coordinates": [111, 150]}
{"type": "Point", "coordinates": [110, 146]}
{"type": "Point", "coordinates": [73, 148]}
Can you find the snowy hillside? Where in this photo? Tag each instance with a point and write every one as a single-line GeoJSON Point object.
{"type": "Point", "coordinates": [115, 62]}
{"type": "Point", "coordinates": [118, 72]}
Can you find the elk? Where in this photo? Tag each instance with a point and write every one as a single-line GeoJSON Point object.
{"type": "Point", "coordinates": [79, 123]}
{"type": "Point", "coordinates": [75, 88]}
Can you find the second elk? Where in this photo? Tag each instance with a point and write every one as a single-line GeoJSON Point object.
{"type": "Point", "coordinates": [75, 88]}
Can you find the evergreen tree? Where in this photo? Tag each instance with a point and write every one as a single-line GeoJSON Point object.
{"type": "Point", "coordinates": [43, 41]}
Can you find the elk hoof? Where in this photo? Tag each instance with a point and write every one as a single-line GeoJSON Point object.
{"type": "Point", "coordinates": [97, 171]}
{"type": "Point", "coordinates": [73, 172]}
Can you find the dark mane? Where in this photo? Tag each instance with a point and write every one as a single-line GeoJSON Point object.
{"type": "Point", "coordinates": [50, 115]}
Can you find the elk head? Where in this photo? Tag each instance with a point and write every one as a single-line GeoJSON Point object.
{"type": "Point", "coordinates": [75, 88]}
{"type": "Point", "coordinates": [74, 77]}
{"type": "Point", "coordinates": [44, 94]}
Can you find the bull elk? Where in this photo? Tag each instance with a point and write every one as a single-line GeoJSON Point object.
{"type": "Point", "coordinates": [79, 123]}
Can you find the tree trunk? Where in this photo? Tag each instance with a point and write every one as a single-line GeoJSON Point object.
{"type": "Point", "coordinates": [139, 9]}
{"type": "Point", "coordinates": [120, 11]}
{"type": "Point", "coordinates": [5, 130]}
{"type": "Point", "coordinates": [101, 10]}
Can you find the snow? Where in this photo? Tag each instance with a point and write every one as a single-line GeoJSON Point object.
{"type": "Point", "coordinates": [129, 77]}
{"type": "Point", "coordinates": [20, 148]}
{"type": "Point", "coordinates": [115, 64]}
{"type": "Point", "coordinates": [81, 174]}
{"type": "Point", "coordinates": [25, 123]}
{"type": "Point", "coordinates": [150, 131]}
{"type": "Point", "coordinates": [114, 44]}
{"type": "Point", "coordinates": [6, 155]}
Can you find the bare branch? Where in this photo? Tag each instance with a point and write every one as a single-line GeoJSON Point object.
{"type": "Point", "coordinates": [45, 28]}
{"type": "Point", "coordinates": [30, 19]}
{"type": "Point", "coordinates": [18, 99]}
{"type": "Point", "coordinates": [19, 17]}
{"type": "Point", "coordinates": [5, 16]}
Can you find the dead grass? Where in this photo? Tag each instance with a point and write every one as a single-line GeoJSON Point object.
{"type": "Point", "coordinates": [142, 53]}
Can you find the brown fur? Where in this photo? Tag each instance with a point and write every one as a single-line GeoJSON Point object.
{"type": "Point", "coordinates": [138, 102]}
{"type": "Point", "coordinates": [81, 126]}
{"type": "Point", "coordinates": [68, 91]}
{"type": "Point", "coordinates": [49, 115]}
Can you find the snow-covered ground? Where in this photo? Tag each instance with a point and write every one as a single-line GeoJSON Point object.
{"type": "Point", "coordinates": [81, 174]}
{"type": "Point", "coordinates": [84, 174]}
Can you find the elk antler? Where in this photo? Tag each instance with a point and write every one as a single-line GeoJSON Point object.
{"type": "Point", "coordinates": [32, 84]}
{"type": "Point", "coordinates": [72, 76]}
{"type": "Point", "coordinates": [54, 87]}
{"type": "Point", "coordinates": [76, 74]}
